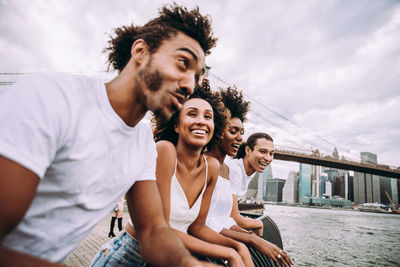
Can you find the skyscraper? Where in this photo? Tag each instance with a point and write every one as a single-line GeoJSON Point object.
{"type": "Point", "coordinates": [304, 183]}
{"type": "Point", "coordinates": [369, 158]}
{"type": "Point", "coordinates": [257, 187]}
{"type": "Point", "coordinates": [290, 192]}
{"type": "Point", "coordinates": [316, 181]}
{"type": "Point", "coordinates": [274, 189]}
{"type": "Point", "coordinates": [395, 192]}
{"type": "Point", "coordinates": [386, 186]}
{"type": "Point", "coordinates": [367, 187]}
{"type": "Point", "coordinates": [339, 186]}
{"type": "Point", "coordinates": [359, 187]}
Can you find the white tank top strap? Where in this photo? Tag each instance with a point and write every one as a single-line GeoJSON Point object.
{"type": "Point", "coordinates": [205, 183]}
{"type": "Point", "coordinates": [176, 165]}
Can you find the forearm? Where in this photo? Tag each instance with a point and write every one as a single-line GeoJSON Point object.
{"type": "Point", "coordinates": [241, 221]}
{"type": "Point", "coordinates": [170, 250]}
{"type": "Point", "coordinates": [13, 258]}
{"type": "Point", "coordinates": [239, 229]}
{"type": "Point", "coordinates": [205, 233]}
{"type": "Point", "coordinates": [203, 248]}
{"type": "Point", "coordinates": [243, 236]}
{"type": "Point", "coordinates": [209, 235]}
{"type": "Point", "coordinates": [248, 223]}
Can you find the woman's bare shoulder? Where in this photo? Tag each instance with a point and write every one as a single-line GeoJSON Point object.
{"type": "Point", "coordinates": [213, 166]}
{"type": "Point", "coordinates": [165, 147]}
{"type": "Point", "coordinates": [212, 161]}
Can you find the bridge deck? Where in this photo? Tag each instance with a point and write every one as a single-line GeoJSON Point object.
{"type": "Point", "coordinates": [337, 164]}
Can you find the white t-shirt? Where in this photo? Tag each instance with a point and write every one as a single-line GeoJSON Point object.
{"type": "Point", "coordinates": [237, 175]}
{"type": "Point", "coordinates": [63, 128]}
{"type": "Point", "coordinates": [220, 210]}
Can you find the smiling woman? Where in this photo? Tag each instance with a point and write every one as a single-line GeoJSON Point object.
{"type": "Point", "coordinates": [167, 131]}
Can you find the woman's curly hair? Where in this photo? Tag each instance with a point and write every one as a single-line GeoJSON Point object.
{"type": "Point", "coordinates": [166, 130]}
{"type": "Point", "coordinates": [172, 18]}
{"type": "Point", "coordinates": [234, 102]}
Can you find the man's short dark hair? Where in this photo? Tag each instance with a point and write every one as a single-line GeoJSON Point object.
{"type": "Point", "coordinates": [172, 19]}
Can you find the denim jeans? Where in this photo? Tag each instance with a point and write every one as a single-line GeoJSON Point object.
{"type": "Point", "coordinates": [120, 251]}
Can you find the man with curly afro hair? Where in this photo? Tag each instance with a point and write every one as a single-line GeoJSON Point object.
{"type": "Point", "coordinates": [72, 146]}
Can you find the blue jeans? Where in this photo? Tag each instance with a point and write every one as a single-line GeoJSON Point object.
{"type": "Point", "coordinates": [120, 251]}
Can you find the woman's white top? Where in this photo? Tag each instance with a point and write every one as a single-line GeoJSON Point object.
{"type": "Point", "coordinates": [219, 213]}
{"type": "Point", "coordinates": [181, 215]}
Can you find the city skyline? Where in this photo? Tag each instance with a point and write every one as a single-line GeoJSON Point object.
{"type": "Point", "coordinates": [318, 73]}
{"type": "Point", "coordinates": [317, 185]}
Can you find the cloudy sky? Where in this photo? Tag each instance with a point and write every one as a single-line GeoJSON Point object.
{"type": "Point", "coordinates": [319, 74]}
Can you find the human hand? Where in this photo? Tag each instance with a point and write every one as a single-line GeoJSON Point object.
{"type": "Point", "coordinates": [235, 260]}
{"type": "Point", "coordinates": [259, 229]}
{"type": "Point", "coordinates": [245, 254]}
{"type": "Point", "coordinates": [272, 251]}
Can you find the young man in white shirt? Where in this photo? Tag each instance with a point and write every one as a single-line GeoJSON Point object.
{"type": "Point", "coordinates": [71, 146]}
{"type": "Point", "coordinates": [253, 155]}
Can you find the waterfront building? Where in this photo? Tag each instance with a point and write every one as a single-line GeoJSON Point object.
{"type": "Point", "coordinates": [328, 189]}
{"type": "Point", "coordinates": [372, 182]}
{"type": "Point", "coordinates": [367, 187]}
{"type": "Point", "coordinates": [395, 191]}
{"type": "Point", "coordinates": [257, 188]}
{"type": "Point", "coordinates": [331, 173]}
{"type": "Point", "coordinates": [369, 158]}
{"type": "Point", "coordinates": [350, 186]}
{"type": "Point", "coordinates": [274, 189]}
{"type": "Point", "coordinates": [304, 183]}
{"type": "Point", "coordinates": [316, 181]}
{"type": "Point", "coordinates": [376, 189]}
{"type": "Point", "coordinates": [389, 185]}
{"type": "Point", "coordinates": [339, 186]}
{"type": "Point", "coordinates": [324, 179]}
{"type": "Point", "coordinates": [290, 192]}
{"type": "Point", "coordinates": [359, 188]}
{"type": "Point", "coordinates": [386, 186]}
{"type": "Point", "coordinates": [251, 192]}
{"type": "Point", "coordinates": [262, 182]}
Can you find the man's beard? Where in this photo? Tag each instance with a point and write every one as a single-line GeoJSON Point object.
{"type": "Point", "coordinates": [153, 79]}
{"type": "Point", "coordinates": [161, 116]}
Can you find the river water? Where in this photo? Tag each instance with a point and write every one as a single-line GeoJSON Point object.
{"type": "Point", "coordinates": [334, 237]}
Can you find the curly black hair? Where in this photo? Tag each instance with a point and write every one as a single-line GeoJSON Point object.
{"type": "Point", "coordinates": [165, 130]}
{"type": "Point", "coordinates": [234, 102]}
{"type": "Point", "coordinates": [172, 18]}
